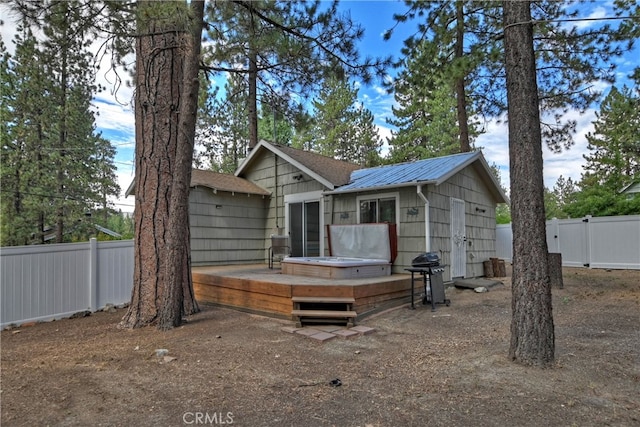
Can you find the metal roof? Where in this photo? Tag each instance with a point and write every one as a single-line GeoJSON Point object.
{"type": "Point", "coordinates": [433, 171]}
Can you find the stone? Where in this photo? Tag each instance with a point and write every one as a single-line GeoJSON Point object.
{"type": "Point", "coordinates": [307, 331]}
{"type": "Point", "coordinates": [322, 336]}
{"type": "Point", "coordinates": [161, 352]}
{"type": "Point", "coordinates": [481, 289]}
{"type": "Point", "coordinates": [346, 333]}
{"type": "Point", "coordinates": [328, 328]}
{"type": "Point", "coordinates": [363, 330]}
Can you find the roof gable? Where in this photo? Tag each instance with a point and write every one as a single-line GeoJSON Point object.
{"type": "Point", "coordinates": [329, 172]}
{"type": "Point", "coordinates": [633, 187]}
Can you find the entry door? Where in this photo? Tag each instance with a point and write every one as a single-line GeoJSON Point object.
{"type": "Point", "coordinates": [458, 239]}
{"type": "Point", "coordinates": [304, 228]}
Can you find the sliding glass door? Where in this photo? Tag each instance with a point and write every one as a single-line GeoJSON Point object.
{"type": "Point", "coordinates": [304, 228]}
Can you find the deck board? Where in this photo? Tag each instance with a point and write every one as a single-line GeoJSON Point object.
{"type": "Point", "coordinates": [259, 289]}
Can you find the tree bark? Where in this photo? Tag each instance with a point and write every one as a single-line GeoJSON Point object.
{"type": "Point", "coordinates": [166, 51]}
{"type": "Point", "coordinates": [178, 275]}
{"type": "Point", "coordinates": [461, 92]}
{"type": "Point", "coordinates": [532, 331]}
{"type": "Point", "coordinates": [252, 98]}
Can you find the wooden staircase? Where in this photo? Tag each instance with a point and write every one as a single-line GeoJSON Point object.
{"type": "Point", "coordinates": [322, 309]}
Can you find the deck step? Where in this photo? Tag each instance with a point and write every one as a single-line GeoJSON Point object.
{"type": "Point", "coordinates": [324, 300]}
{"type": "Point", "coordinates": [333, 314]}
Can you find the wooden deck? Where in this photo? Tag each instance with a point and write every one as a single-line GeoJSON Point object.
{"type": "Point", "coordinates": [258, 289]}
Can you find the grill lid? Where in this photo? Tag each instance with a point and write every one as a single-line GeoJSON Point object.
{"type": "Point", "coordinates": [427, 259]}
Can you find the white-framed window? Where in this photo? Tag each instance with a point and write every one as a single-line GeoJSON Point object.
{"type": "Point", "coordinates": [378, 208]}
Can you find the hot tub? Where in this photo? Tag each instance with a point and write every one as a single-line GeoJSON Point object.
{"type": "Point", "coordinates": [346, 243]}
{"type": "Point", "coordinates": [336, 267]}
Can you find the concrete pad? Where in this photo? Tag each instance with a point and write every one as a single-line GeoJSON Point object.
{"type": "Point", "coordinates": [322, 336]}
{"type": "Point", "coordinates": [307, 331]}
{"type": "Point", "coordinates": [289, 329]}
{"type": "Point", "coordinates": [346, 333]}
{"type": "Point", "coordinates": [476, 283]}
{"type": "Point", "coordinates": [363, 330]}
{"type": "Point", "coordinates": [328, 328]}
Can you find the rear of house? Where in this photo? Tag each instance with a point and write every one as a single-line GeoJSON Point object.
{"type": "Point", "coordinates": [445, 204]}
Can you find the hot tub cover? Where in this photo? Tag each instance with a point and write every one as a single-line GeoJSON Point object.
{"type": "Point", "coordinates": [370, 241]}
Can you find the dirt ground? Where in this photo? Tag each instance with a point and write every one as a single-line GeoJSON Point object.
{"type": "Point", "coordinates": [443, 368]}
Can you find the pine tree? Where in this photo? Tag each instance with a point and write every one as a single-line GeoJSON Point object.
{"type": "Point", "coordinates": [425, 117]}
{"type": "Point", "coordinates": [467, 35]}
{"type": "Point", "coordinates": [283, 47]}
{"type": "Point", "coordinates": [60, 168]}
{"type": "Point", "coordinates": [532, 330]}
{"type": "Point", "coordinates": [167, 89]}
{"type": "Point", "coordinates": [223, 128]}
{"type": "Point", "coordinates": [614, 157]}
{"type": "Point", "coordinates": [273, 122]}
{"type": "Point", "coordinates": [613, 161]}
{"type": "Point", "coordinates": [559, 198]}
{"type": "Point", "coordinates": [343, 129]}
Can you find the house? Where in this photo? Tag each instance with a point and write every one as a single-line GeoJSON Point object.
{"type": "Point", "coordinates": [632, 189]}
{"type": "Point", "coordinates": [444, 204]}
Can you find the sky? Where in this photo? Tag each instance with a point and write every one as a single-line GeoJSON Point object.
{"type": "Point", "coordinates": [115, 117]}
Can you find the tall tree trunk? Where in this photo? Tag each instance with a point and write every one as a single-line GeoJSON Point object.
{"type": "Point", "coordinates": [62, 139]}
{"type": "Point", "coordinates": [461, 93]}
{"type": "Point", "coordinates": [532, 332]}
{"type": "Point", "coordinates": [252, 98]}
{"type": "Point", "coordinates": [162, 286]}
{"type": "Point", "coordinates": [179, 246]}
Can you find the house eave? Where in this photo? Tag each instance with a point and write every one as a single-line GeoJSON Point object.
{"type": "Point", "coordinates": [380, 187]}
{"type": "Point", "coordinates": [232, 192]}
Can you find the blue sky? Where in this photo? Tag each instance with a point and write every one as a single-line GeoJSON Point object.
{"type": "Point", "coordinates": [116, 118]}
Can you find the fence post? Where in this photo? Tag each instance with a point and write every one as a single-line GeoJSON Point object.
{"type": "Point", "coordinates": [93, 274]}
{"type": "Point", "coordinates": [554, 244]}
{"type": "Point", "coordinates": [587, 240]}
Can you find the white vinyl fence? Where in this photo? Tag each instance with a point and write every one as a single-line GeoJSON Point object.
{"type": "Point", "coordinates": [47, 282]}
{"type": "Point", "coordinates": [601, 242]}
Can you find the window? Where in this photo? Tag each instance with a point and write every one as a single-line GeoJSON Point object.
{"type": "Point", "coordinates": [382, 208]}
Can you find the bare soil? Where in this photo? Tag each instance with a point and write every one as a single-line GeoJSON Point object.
{"type": "Point", "coordinates": [443, 368]}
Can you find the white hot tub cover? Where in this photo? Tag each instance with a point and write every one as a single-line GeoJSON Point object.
{"type": "Point", "coordinates": [370, 241]}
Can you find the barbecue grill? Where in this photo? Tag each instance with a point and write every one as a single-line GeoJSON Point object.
{"type": "Point", "coordinates": [428, 266]}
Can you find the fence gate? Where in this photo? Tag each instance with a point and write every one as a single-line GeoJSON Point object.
{"type": "Point", "coordinates": [596, 242]}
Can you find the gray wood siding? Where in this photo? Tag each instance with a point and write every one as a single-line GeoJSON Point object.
{"type": "Point", "coordinates": [239, 230]}
{"type": "Point", "coordinates": [480, 226]}
{"type": "Point", "coordinates": [226, 228]}
{"type": "Point", "coordinates": [263, 173]}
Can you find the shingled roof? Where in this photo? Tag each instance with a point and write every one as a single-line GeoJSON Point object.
{"type": "Point", "coordinates": [225, 182]}
{"type": "Point", "coordinates": [218, 182]}
{"type": "Point", "coordinates": [330, 172]}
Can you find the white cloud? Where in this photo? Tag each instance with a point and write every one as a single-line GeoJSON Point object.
{"type": "Point", "coordinates": [115, 117]}
{"type": "Point", "coordinates": [380, 90]}
{"type": "Point", "coordinates": [597, 13]}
